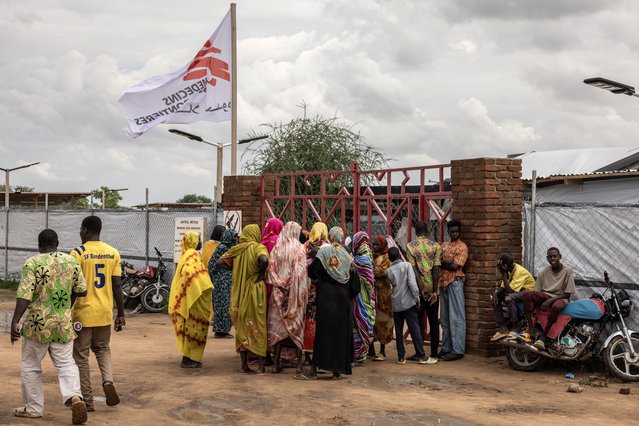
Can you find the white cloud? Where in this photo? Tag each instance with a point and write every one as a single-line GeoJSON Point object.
{"type": "Point", "coordinates": [424, 81]}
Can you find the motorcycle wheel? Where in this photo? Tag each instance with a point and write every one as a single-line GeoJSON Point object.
{"type": "Point", "coordinates": [522, 360]}
{"type": "Point", "coordinates": [619, 359]}
{"type": "Point", "coordinates": [155, 300]}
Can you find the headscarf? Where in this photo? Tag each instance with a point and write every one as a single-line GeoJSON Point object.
{"type": "Point", "coordinates": [335, 258]}
{"type": "Point", "coordinates": [227, 240]}
{"type": "Point", "coordinates": [250, 237]}
{"type": "Point", "coordinates": [382, 244]}
{"type": "Point", "coordinates": [217, 232]}
{"type": "Point", "coordinates": [248, 299]}
{"type": "Point", "coordinates": [189, 241]}
{"type": "Point", "coordinates": [271, 232]}
{"type": "Point", "coordinates": [364, 303]}
{"type": "Point", "coordinates": [318, 234]}
{"type": "Point", "coordinates": [287, 273]}
{"type": "Point", "coordinates": [191, 279]}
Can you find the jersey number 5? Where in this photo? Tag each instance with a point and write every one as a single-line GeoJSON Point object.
{"type": "Point", "coordinates": [100, 278]}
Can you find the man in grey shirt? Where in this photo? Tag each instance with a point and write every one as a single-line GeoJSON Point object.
{"type": "Point", "coordinates": [406, 307]}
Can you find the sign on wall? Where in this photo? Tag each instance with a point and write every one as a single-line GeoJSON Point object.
{"type": "Point", "coordinates": [233, 220]}
{"type": "Point", "coordinates": [182, 226]}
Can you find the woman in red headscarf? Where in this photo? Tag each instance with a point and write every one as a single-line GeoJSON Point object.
{"type": "Point", "coordinates": [383, 330]}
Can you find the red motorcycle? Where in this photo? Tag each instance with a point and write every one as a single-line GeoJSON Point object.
{"type": "Point", "coordinates": [146, 284]}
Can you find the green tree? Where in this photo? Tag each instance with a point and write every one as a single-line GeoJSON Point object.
{"type": "Point", "coordinates": [17, 188]}
{"type": "Point", "coordinates": [311, 144]}
{"type": "Point", "coordinates": [194, 198]}
{"type": "Point", "coordinates": [307, 144]}
{"type": "Point", "coordinates": [112, 199]}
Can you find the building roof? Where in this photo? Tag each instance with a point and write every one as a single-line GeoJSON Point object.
{"type": "Point", "coordinates": [578, 161]}
{"type": "Point", "coordinates": [38, 199]}
{"type": "Point", "coordinates": [203, 206]}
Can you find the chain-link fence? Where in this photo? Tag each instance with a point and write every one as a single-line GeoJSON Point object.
{"type": "Point", "coordinates": [592, 239]}
{"type": "Point", "coordinates": [133, 232]}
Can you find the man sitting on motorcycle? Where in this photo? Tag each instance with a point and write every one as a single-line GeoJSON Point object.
{"type": "Point", "coordinates": [515, 280]}
{"type": "Point", "coordinates": [552, 291]}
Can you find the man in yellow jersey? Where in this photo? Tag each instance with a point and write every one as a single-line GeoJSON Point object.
{"type": "Point", "coordinates": [101, 268]}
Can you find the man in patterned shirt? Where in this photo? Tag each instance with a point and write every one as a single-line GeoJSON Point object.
{"type": "Point", "coordinates": [451, 283]}
{"type": "Point", "coordinates": [424, 255]}
{"type": "Point", "coordinates": [50, 283]}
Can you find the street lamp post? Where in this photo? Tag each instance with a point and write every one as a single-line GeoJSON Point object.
{"type": "Point", "coordinates": [219, 154]}
{"type": "Point", "coordinates": [611, 86]}
{"type": "Point", "coordinates": [6, 181]}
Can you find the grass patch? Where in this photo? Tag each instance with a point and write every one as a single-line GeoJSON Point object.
{"type": "Point", "coordinates": [9, 285]}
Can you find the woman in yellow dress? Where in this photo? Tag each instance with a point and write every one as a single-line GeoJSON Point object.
{"type": "Point", "coordinates": [190, 302]}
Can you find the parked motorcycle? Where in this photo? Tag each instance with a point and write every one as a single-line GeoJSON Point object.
{"type": "Point", "coordinates": [147, 284]}
{"type": "Point", "coordinates": [582, 338]}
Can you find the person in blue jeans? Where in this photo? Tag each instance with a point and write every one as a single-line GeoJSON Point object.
{"type": "Point", "coordinates": [406, 307]}
{"type": "Point", "coordinates": [451, 285]}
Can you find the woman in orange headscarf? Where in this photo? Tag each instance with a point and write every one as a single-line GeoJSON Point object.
{"type": "Point", "coordinates": [190, 302]}
{"type": "Point", "coordinates": [383, 329]}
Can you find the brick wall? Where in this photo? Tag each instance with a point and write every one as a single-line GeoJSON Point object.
{"type": "Point", "coordinates": [243, 193]}
{"type": "Point", "coordinates": [487, 200]}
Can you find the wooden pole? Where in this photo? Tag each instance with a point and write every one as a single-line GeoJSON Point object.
{"type": "Point", "coordinates": [233, 93]}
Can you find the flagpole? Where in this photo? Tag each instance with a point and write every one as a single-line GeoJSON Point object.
{"type": "Point", "coordinates": [233, 93]}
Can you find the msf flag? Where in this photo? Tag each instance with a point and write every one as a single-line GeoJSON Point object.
{"type": "Point", "coordinates": [201, 90]}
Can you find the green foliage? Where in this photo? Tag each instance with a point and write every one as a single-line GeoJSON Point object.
{"type": "Point", "coordinates": [112, 199]}
{"type": "Point", "coordinates": [311, 144]}
{"type": "Point", "coordinates": [194, 198]}
{"type": "Point", "coordinates": [308, 144]}
{"type": "Point", "coordinates": [9, 285]}
{"type": "Point", "coordinates": [18, 188]}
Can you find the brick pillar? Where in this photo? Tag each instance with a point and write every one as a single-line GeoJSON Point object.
{"type": "Point", "coordinates": [487, 200]}
{"type": "Point", "coordinates": [243, 193]}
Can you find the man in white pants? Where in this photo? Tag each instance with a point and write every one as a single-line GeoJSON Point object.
{"type": "Point", "coordinates": [49, 285]}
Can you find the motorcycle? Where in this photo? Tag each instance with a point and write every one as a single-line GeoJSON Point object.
{"type": "Point", "coordinates": [578, 339]}
{"type": "Point", "coordinates": [146, 284]}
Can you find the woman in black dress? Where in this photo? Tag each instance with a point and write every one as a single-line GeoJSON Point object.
{"type": "Point", "coordinates": [337, 285]}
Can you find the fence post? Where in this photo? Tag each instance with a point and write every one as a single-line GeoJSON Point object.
{"type": "Point", "coordinates": [533, 219]}
{"type": "Point", "coordinates": [6, 245]}
{"type": "Point", "coordinates": [148, 227]}
{"type": "Point", "coordinates": [46, 210]}
{"type": "Point", "coordinates": [356, 194]}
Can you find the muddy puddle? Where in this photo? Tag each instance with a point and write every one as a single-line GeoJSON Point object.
{"type": "Point", "coordinates": [433, 383]}
{"type": "Point", "coordinates": [416, 419]}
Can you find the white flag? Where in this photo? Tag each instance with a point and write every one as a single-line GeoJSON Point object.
{"type": "Point", "coordinates": [201, 90]}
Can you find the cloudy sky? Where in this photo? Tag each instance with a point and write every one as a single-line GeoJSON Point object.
{"type": "Point", "coordinates": [426, 81]}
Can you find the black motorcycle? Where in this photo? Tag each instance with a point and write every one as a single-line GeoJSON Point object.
{"type": "Point", "coordinates": [146, 284]}
{"type": "Point", "coordinates": [582, 338]}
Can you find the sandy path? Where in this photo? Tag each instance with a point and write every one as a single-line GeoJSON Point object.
{"type": "Point", "coordinates": [471, 391]}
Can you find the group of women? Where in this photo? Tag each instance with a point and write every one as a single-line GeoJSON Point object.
{"type": "Point", "coordinates": [286, 292]}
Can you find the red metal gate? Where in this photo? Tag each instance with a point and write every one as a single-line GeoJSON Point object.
{"type": "Point", "coordinates": [361, 199]}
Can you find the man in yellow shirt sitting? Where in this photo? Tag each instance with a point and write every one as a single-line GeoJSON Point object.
{"type": "Point", "coordinates": [515, 280]}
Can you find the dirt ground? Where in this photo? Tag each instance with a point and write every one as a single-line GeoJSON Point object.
{"type": "Point", "coordinates": [474, 390]}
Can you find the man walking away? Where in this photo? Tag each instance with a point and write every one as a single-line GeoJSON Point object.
{"type": "Point", "coordinates": [50, 283]}
{"type": "Point", "coordinates": [405, 307]}
{"type": "Point", "coordinates": [101, 268]}
{"type": "Point", "coordinates": [451, 284]}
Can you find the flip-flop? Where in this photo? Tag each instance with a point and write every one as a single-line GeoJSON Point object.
{"type": "Point", "coordinates": [263, 373]}
{"type": "Point", "coordinates": [22, 412]}
{"type": "Point", "coordinates": [304, 377]}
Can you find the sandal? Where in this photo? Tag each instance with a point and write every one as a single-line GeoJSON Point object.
{"type": "Point", "coordinates": [379, 357]}
{"type": "Point", "coordinates": [304, 377]}
{"type": "Point", "coordinates": [22, 412]}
